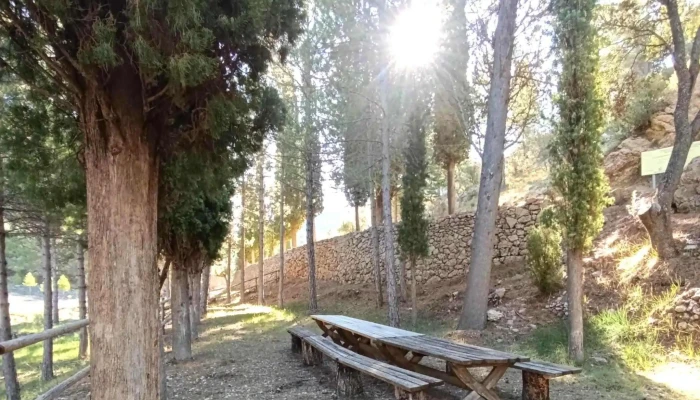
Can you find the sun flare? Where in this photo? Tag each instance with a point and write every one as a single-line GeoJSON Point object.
{"type": "Point", "coordinates": [415, 35]}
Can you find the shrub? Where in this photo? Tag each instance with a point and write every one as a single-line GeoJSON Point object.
{"type": "Point", "coordinates": [63, 283]}
{"type": "Point", "coordinates": [544, 257]}
{"type": "Point", "coordinates": [29, 280]}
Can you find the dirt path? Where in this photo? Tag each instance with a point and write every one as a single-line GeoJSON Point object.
{"type": "Point", "coordinates": [244, 353]}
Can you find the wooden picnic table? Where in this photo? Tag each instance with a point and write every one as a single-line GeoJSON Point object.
{"type": "Point", "coordinates": [406, 349]}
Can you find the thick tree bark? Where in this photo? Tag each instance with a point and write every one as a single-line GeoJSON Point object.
{"type": "Point", "coordinates": [451, 196]}
{"type": "Point", "coordinates": [54, 283]}
{"type": "Point", "coordinates": [574, 269]}
{"type": "Point", "coordinates": [241, 258]}
{"type": "Point", "coordinates": [357, 218]}
{"type": "Point", "coordinates": [204, 300]}
{"type": "Point", "coordinates": [261, 230]}
{"type": "Point", "coordinates": [47, 362]}
{"type": "Point", "coordinates": [310, 244]}
{"type": "Point", "coordinates": [479, 276]}
{"type": "Point", "coordinates": [162, 377]}
{"type": "Point", "coordinates": [122, 198]}
{"type": "Point", "coordinates": [195, 294]}
{"type": "Point", "coordinates": [349, 383]}
{"type": "Point", "coordinates": [375, 259]}
{"type": "Point", "coordinates": [392, 299]}
{"type": "Point", "coordinates": [657, 217]}
{"type": "Point", "coordinates": [180, 311]}
{"type": "Point", "coordinates": [535, 386]}
{"type": "Point", "coordinates": [414, 300]}
{"type": "Point", "coordinates": [82, 299]}
{"type": "Point", "coordinates": [280, 289]}
{"type": "Point", "coordinates": [9, 370]}
{"type": "Point", "coordinates": [377, 204]}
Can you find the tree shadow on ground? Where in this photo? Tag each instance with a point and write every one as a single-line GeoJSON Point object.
{"type": "Point", "coordinates": [602, 370]}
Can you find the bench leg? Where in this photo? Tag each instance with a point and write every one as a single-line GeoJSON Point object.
{"type": "Point", "coordinates": [349, 383]}
{"type": "Point", "coordinates": [403, 395]}
{"type": "Point", "coordinates": [296, 344]}
{"type": "Point", "coordinates": [535, 386]}
{"type": "Point", "coordinates": [310, 355]}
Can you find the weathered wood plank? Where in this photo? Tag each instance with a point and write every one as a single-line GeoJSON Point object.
{"type": "Point", "coordinates": [547, 369]}
{"type": "Point", "coordinates": [27, 340]}
{"type": "Point", "coordinates": [360, 327]}
{"type": "Point", "coordinates": [406, 380]}
{"type": "Point", "coordinates": [58, 389]}
{"type": "Point", "coordinates": [302, 332]}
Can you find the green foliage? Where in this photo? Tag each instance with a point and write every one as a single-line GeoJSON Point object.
{"type": "Point", "coordinates": [29, 280]}
{"type": "Point", "coordinates": [544, 258]}
{"type": "Point", "coordinates": [453, 104]}
{"type": "Point", "coordinates": [100, 50]}
{"type": "Point", "coordinates": [346, 227]}
{"type": "Point", "coordinates": [413, 229]}
{"type": "Point", "coordinates": [635, 105]}
{"type": "Point", "coordinates": [575, 152]}
{"type": "Point", "coordinates": [63, 283]}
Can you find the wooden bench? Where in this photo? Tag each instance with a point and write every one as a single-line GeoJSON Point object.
{"type": "Point", "coordinates": [298, 333]}
{"type": "Point", "coordinates": [536, 376]}
{"type": "Point", "coordinates": [408, 385]}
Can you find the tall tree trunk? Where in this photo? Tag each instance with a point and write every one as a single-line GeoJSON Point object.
{"type": "Point", "coordinates": [657, 217]}
{"type": "Point", "coordinates": [357, 218]}
{"type": "Point", "coordinates": [392, 299]}
{"type": "Point", "coordinates": [451, 196]}
{"type": "Point", "coordinates": [375, 259]}
{"type": "Point", "coordinates": [204, 301]}
{"type": "Point", "coordinates": [414, 300]}
{"type": "Point", "coordinates": [54, 283]}
{"type": "Point", "coordinates": [241, 258]}
{"type": "Point", "coordinates": [479, 276]}
{"type": "Point", "coordinates": [228, 270]}
{"type": "Point", "coordinates": [122, 200]}
{"type": "Point", "coordinates": [195, 293]}
{"type": "Point", "coordinates": [47, 362]}
{"type": "Point", "coordinates": [82, 298]}
{"type": "Point", "coordinates": [9, 370]}
{"type": "Point", "coordinates": [280, 289]}
{"type": "Point", "coordinates": [403, 285]}
{"type": "Point", "coordinates": [261, 230]}
{"type": "Point", "coordinates": [377, 204]}
{"type": "Point", "coordinates": [162, 377]}
{"type": "Point", "coordinates": [310, 244]}
{"type": "Point", "coordinates": [180, 312]}
{"type": "Point", "coordinates": [574, 270]}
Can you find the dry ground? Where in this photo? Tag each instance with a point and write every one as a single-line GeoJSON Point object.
{"type": "Point", "coordinates": [244, 353]}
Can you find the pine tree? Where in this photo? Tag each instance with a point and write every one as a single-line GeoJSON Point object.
{"type": "Point", "coordinates": [453, 108]}
{"type": "Point", "coordinates": [575, 154]}
{"type": "Point", "coordinates": [413, 229]}
{"type": "Point", "coordinates": [145, 79]}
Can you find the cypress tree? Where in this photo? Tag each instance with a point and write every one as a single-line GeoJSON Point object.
{"type": "Point", "coordinates": [146, 79]}
{"type": "Point", "coordinates": [575, 154]}
{"type": "Point", "coordinates": [413, 229]}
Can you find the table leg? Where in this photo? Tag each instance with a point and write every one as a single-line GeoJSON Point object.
{"type": "Point", "coordinates": [480, 389]}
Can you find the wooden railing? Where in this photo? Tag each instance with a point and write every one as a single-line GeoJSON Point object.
{"type": "Point", "coordinates": [255, 285]}
{"type": "Point", "coordinates": [12, 345]}
{"type": "Point", "coordinates": [9, 346]}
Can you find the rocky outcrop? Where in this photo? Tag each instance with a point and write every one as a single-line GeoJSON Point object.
{"type": "Point", "coordinates": [687, 196]}
{"type": "Point", "coordinates": [348, 258]}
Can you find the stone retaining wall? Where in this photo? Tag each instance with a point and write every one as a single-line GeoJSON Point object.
{"type": "Point", "coordinates": [348, 258]}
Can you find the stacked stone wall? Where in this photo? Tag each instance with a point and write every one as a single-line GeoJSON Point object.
{"type": "Point", "coordinates": [348, 258]}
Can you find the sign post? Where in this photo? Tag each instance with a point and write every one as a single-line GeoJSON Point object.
{"type": "Point", "coordinates": [654, 162]}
